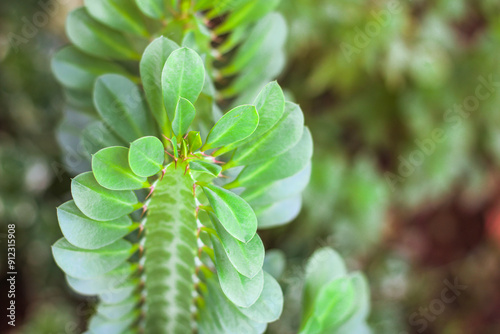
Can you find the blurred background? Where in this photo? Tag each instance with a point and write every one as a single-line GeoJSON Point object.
{"type": "Point", "coordinates": [403, 101]}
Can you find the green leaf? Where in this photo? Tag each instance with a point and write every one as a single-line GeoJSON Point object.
{"type": "Point", "coordinates": [97, 135]}
{"type": "Point", "coordinates": [99, 203]}
{"type": "Point", "coordinates": [247, 258]}
{"type": "Point", "coordinates": [118, 310]}
{"type": "Point", "coordinates": [194, 141]}
{"type": "Point", "coordinates": [270, 105]}
{"type": "Point", "coordinates": [233, 212]}
{"type": "Point", "coordinates": [77, 70]}
{"type": "Point", "coordinates": [100, 325]}
{"type": "Point", "coordinates": [239, 289]}
{"type": "Point", "coordinates": [334, 304]}
{"type": "Point", "coordinates": [87, 233]}
{"type": "Point", "coordinates": [84, 264]}
{"type": "Point", "coordinates": [183, 76]}
{"type": "Point", "coordinates": [146, 156]}
{"type": "Point", "coordinates": [96, 39]}
{"type": "Point", "coordinates": [184, 116]}
{"type": "Point", "coordinates": [120, 293]}
{"type": "Point", "coordinates": [226, 317]}
{"type": "Point", "coordinates": [250, 12]}
{"type": "Point", "coordinates": [324, 266]}
{"type": "Point", "coordinates": [279, 167]}
{"type": "Point", "coordinates": [155, 9]}
{"type": "Point", "coordinates": [292, 186]}
{"type": "Point", "coordinates": [112, 171]}
{"type": "Point", "coordinates": [261, 43]}
{"type": "Point", "coordinates": [121, 105]}
{"type": "Point", "coordinates": [103, 284]}
{"type": "Point", "coordinates": [236, 125]}
{"type": "Point", "coordinates": [151, 67]}
{"type": "Point", "coordinates": [279, 213]}
{"type": "Point", "coordinates": [121, 15]}
{"type": "Point", "coordinates": [205, 167]}
{"type": "Point", "coordinates": [279, 139]}
{"type": "Point", "coordinates": [269, 305]}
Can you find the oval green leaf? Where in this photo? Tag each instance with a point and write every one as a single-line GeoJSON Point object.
{"type": "Point", "coordinates": [233, 212]}
{"type": "Point", "coordinates": [151, 67]}
{"type": "Point", "coordinates": [121, 15]}
{"type": "Point", "coordinates": [97, 39]}
{"type": "Point", "coordinates": [236, 125]}
{"type": "Point", "coordinates": [247, 258]}
{"type": "Point", "coordinates": [183, 76]}
{"type": "Point", "coordinates": [239, 289]}
{"type": "Point", "coordinates": [99, 203]}
{"type": "Point", "coordinates": [77, 70]}
{"type": "Point", "coordinates": [280, 138]}
{"type": "Point", "coordinates": [86, 264]}
{"type": "Point", "coordinates": [121, 105]}
{"type": "Point", "coordinates": [184, 116]}
{"type": "Point", "coordinates": [87, 233]}
{"type": "Point", "coordinates": [146, 156]}
{"type": "Point", "coordinates": [112, 171]}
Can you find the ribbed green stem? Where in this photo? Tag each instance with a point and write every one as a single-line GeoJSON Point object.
{"type": "Point", "coordinates": [170, 251]}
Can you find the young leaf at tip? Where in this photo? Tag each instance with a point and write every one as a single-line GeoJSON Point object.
{"type": "Point", "coordinates": [184, 116]}
{"type": "Point", "coordinates": [183, 76]}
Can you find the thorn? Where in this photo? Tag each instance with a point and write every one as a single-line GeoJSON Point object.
{"type": "Point", "coordinates": [186, 169]}
{"type": "Point", "coordinates": [186, 135]}
{"type": "Point", "coordinates": [205, 155]}
{"type": "Point", "coordinates": [144, 208]}
{"type": "Point", "coordinates": [151, 189]}
{"type": "Point", "coordinates": [196, 216]}
{"type": "Point", "coordinates": [170, 140]}
{"type": "Point", "coordinates": [141, 250]}
{"type": "Point", "coordinates": [163, 171]}
{"type": "Point", "coordinates": [198, 231]}
{"type": "Point", "coordinates": [171, 155]}
{"type": "Point", "coordinates": [194, 190]}
{"type": "Point", "coordinates": [223, 176]}
{"type": "Point", "coordinates": [218, 162]}
{"type": "Point", "coordinates": [141, 229]}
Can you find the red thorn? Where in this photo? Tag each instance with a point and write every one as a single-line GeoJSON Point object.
{"type": "Point", "coordinates": [205, 155]}
{"type": "Point", "coordinates": [170, 140]}
{"type": "Point", "coordinates": [151, 189]}
{"type": "Point", "coordinates": [194, 190]}
{"type": "Point", "coordinates": [171, 155]}
{"type": "Point", "coordinates": [163, 171]}
{"type": "Point", "coordinates": [144, 208]}
{"type": "Point", "coordinates": [185, 170]}
{"type": "Point", "coordinates": [218, 162]}
{"type": "Point", "coordinates": [141, 228]}
{"type": "Point", "coordinates": [186, 136]}
{"type": "Point", "coordinates": [196, 216]}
